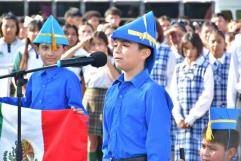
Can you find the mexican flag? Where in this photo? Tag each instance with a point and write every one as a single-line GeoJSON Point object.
{"type": "Point", "coordinates": [59, 135]}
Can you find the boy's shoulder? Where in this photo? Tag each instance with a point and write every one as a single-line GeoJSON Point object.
{"type": "Point", "coordinates": [68, 74]}
{"type": "Point", "coordinates": [150, 84]}
{"type": "Point", "coordinates": [64, 73]}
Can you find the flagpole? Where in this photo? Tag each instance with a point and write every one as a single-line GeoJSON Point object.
{"type": "Point", "coordinates": [20, 83]}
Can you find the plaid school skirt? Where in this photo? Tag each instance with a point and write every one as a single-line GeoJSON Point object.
{"type": "Point", "coordinates": [94, 101]}
{"type": "Point", "coordinates": [190, 139]}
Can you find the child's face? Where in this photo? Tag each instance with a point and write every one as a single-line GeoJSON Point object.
{"type": "Point", "coordinates": [213, 152]}
{"type": "Point", "coordinates": [165, 24]}
{"type": "Point", "coordinates": [84, 31]}
{"type": "Point", "coordinates": [31, 34]}
{"type": "Point", "coordinates": [113, 19]}
{"type": "Point", "coordinates": [128, 56]}
{"type": "Point", "coordinates": [190, 52]}
{"type": "Point", "coordinates": [220, 22]}
{"type": "Point", "coordinates": [94, 21]}
{"type": "Point", "coordinates": [9, 29]}
{"type": "Point", "coordinates": [22, 31]}
{"type": "Point", "coordinates": [50, 57]}
{"type": "Point", "coordinates": [98, 45]}
{"type": "Point", "coordinates": [108, 33]}
{"type": "Point", "coordinates": [216, 45]}
{"type": "Point", "coordinates": [71, 36]}
{"type": "Point", "coordinates": [205, 32]}
{"type": "Point", "coordinates": [176, 36]}
{"type": "Point", "coordinates": [76, 20]}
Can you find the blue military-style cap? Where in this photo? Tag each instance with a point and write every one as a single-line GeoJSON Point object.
{"type": "Point", "coordinates": [221, 119]}
{"type": "Point", "coordinates": [143, 31]}
{"type": "Point", "coordinates": [51, 33]}
{"type": "Point", "coordinates": [224, 118]}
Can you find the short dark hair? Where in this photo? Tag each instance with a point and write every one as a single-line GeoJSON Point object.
{"type": "Point", "coordinates": [9, 16]}
{"type": "Point", "coordinates": [68, 26]}
{"type": "Point", "coordinates": [34, 24]}
{"type": "Point", "coordinates": [142, 46]}
{"type": "Point", "coordinates": [91, 13]}
{"type": "Point", "coordinates": [180, 25]}
{"type": "Point", "coordinates": [164, 18]}
{"type": "Point", "coordinates": [109, 26]}
{"type": "Point", "coordinates": [218, 32]}
{"type": "Point", "coordinates": [160, 34]}
{"type": "Point", "coordinates": [221, 15]}
{"type": "Point", "coordinates": [113, 11]}
{"type": "Point", "coordinates": [101, 35]}
{"type": "Point", "coordinates": [88, 24]}
{"type": "Point", "coordinates": [209, 24]}
{"type": "Point", "coordinates": [21, 19]}
{"type": "Point", "coordinates": [228, 138]}
{"type": "Point", "coordinates": [73, 12]}
{"type": "Point", "coordinates": [194, 39]}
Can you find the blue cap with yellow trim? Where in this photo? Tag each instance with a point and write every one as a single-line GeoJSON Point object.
{"type": "Point", "coordinates": [51, 33]}
{"type": "Point", "coordinates": [143, 31]}
{"type": "Point", "coordinates": [222, 118]}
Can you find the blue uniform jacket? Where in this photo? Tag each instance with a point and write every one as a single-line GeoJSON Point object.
{"type": "Point", "coordinates": [51, 89]}
{"type": "Point", "coordinates": [137, 120]}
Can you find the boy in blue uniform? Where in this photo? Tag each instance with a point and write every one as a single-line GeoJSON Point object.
{"type": "Point", "coordinates": [137, 111]}
{"type": "Point", "coordinates": [221, 140]}
{"type": "Point", "coordinates": [56, 88]}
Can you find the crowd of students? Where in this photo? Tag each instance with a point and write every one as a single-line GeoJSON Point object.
{"type": "Point", "coordinates": [155, 92]}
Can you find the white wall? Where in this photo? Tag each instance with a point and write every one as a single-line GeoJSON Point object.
{"type": "Point", "coordinates": [231, 5]}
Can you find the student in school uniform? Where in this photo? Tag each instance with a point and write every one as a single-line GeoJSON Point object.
{"type": "Point", "coordinates": [165, 61]}
{"type": "Point", "coordinates": [97, 81]}
{"type": "Point", "coordinates": [192, 94]}
{"type": "Point", "coordinates": [27, 56]}
{"type": "Point", "coordinates": [220, 61]}
{"type": "Point", "coordinates": [174, 35]}
{"type": "Point", "coordinates": [9, 44]}
{"type": "Point", "coordinates": [135, 105]}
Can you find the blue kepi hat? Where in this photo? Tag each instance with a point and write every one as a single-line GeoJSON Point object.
{"type": "Point", "coordinates": [221, 119]}
{"type": "Point", "coordinates": [51, 33]}
{"type": "Point", "coordinates": [143, 31]}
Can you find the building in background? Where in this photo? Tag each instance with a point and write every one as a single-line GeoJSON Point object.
{"type": "Point", "coordinates": [194, 9]}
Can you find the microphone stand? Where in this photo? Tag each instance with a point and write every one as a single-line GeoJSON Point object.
{"type": "Point", "coordinates": [19, 77]}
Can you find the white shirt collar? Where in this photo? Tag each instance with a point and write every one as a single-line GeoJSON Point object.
{"type": "Point", "coordinates": [212, 59]}
{"type": "Point", "coordinates": [198, 61]}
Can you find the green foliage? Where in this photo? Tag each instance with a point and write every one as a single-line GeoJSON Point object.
{"type": "Point", "coordinates": [11, 155]}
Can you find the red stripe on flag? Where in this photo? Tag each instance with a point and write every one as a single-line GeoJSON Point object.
{"type": "Point", "coordinates": [65, 136]}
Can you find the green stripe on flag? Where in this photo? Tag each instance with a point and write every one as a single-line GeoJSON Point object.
{"type": "Point", "coordinates": [1, 119]}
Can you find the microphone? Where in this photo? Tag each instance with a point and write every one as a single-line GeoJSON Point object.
{"type": "Point", "coordinates": [9, 48]}
{"type": "Point", "coordinates": [182, 153]}
{"type": "Point", "coordinates": [96, 59]}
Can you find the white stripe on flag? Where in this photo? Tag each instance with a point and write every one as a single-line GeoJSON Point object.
{"type": "Point", "coordinates": [33, 133]}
